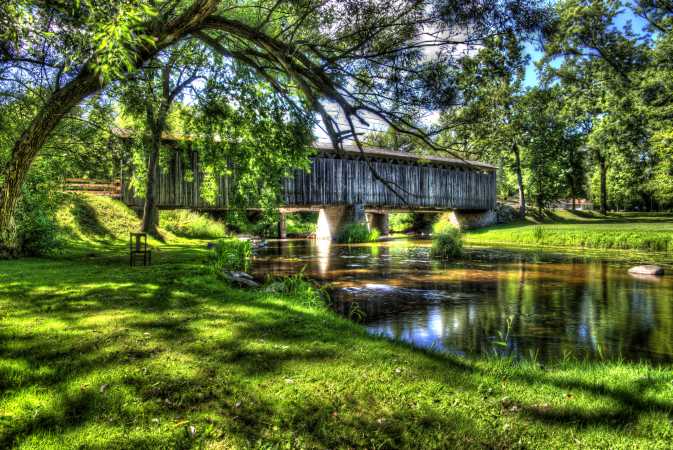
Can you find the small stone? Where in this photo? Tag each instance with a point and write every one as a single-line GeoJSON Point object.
{"type": "Point", "coordinates": [398, 370]}
{"type": "Point", "coordinates": [192, 430]}
{"type": "Point", "coordinates": [103, 388]}
{"type": "Point", "coordinates": [647, 269]}
{"type": "Point", "coordinates": [289, 381]}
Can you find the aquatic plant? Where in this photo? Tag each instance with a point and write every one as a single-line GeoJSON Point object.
{"type": "Point", "coordinates": [300, 289]}
{"type": "Point", "coordinates": [447, 244]}
{"type": "Point", "coordinates": [356, 233]}
{"type": "Point", "coordinates": [230, 254]}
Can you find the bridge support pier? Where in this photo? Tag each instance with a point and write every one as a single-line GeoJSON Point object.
{"type": "Point", "coordinates": [331, 219]}
{"type": "Point", "coordinates": [379, 222]}
{"type": "Point", "coordinates": [472, 219]}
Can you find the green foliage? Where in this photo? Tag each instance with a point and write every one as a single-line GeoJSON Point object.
{"type": "Point", "coordinates": [301, 223]}
{"type": "Point", "coordinates": [357, 233]}
{"type": "Point", "coordinates": [191, 224]}
{"type": "Point", "coordinates": [36, 215]}
{"type": "Point", "coordinates": [443, 225]}
{"type": "Point", "coordinates": [230, 254]}
{"type": "Point", "coordinates": [447, 244]}
{"type": "Point", "coordinates": [400, 222]}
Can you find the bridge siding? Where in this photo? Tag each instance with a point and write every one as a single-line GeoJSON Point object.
{"type": "Point", "coordinates": [337, 181]}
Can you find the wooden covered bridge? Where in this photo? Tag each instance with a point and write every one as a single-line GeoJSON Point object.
{"type": "Point", "coordinates": [344, 188]}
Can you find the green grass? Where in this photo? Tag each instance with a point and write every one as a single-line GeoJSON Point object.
{"type": "Point", "coordinates": [99, 355]}
{"type": "Point", "coordinates": [644, 232]}
{"type": "Point", "coordinates": [191, 224]}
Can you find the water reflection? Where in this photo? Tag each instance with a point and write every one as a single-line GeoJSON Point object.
{"type": "Point", "coordinates": [545, 310]}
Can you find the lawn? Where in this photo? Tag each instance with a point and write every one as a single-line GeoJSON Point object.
{"type": "Point", "coordinates": [96, 354]}
{"type": "Point", "coordinates": [644, 232]}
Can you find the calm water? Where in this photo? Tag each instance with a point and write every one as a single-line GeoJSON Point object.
{"type": "Point", "coordinates": [491, 302]}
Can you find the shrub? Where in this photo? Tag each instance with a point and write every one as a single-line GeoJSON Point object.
{"type": "Point", "coordinates": [230, 254]}
{"type": "Point", "coordinates": [447, 244]}
{"type": "Point", "coordinates": [36, 223]}
{"type": "Point", "coordinates": [191, 224]}
{"type": "Point", "coordinates": [356, 233]}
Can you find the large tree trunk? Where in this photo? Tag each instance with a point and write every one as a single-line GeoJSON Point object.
{"type": "Point", "coordinates": [26, 148]}
{"type": "Point", "coordinates": [150, 211]}
{"type": "Point", "coordinates": [519, 181]}
{"type": "Point", "coordinates": [604, 184]}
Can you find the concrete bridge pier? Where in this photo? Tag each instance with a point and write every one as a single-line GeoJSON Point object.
{"type": "Point", "coordinates": [331, 219]}
{"type": "Point", "coordinates": [472, 219]}
{"type": "Point", "coordinates": [379, 222]}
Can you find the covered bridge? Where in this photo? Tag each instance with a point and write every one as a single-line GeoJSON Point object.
{"type": "Point", "coordinates": [347, 186]}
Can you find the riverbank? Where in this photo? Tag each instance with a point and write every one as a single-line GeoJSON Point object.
{"type": "Point", "coordinates": [102, 355]}
{"type": "Point", "coordinates": [583, 230]}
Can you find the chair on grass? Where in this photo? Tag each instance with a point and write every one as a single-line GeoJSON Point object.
{"type": "Point", "coordinates": [137, 247]}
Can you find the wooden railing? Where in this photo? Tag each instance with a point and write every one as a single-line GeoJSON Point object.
{"type": "Point", "coordinates": [108, 188]}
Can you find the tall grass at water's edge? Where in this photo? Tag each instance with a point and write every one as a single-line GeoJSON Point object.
{"type": "Point", "coordinates": [357, 233]}
{"type": "Point", "coordinates": [578, 236]}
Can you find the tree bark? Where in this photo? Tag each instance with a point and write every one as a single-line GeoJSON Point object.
{"type": "Point", "coordinates": [150, 211]}
{"type": "Point", "coordinates": [519, 181]}
{"type": "Point", "coordinates": [604, 184]}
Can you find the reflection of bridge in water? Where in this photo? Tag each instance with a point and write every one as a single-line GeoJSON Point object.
{"type": "Point", "coordinates": [346, 186]}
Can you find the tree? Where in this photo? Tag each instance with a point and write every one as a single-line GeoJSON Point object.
{"type": "Point", "coordinates": [488, 121]}
{"type": "Point", "coordinates": [599, 65]}
{"type": "Point", "coordinates": [151, 94]}
{"type": "Point", "coordinates": [343, 52]}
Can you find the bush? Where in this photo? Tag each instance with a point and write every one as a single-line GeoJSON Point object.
{"type": "Point", "coordinates": [448, 244]}
{"type": "Point", "coordinates": [356, 233]}
{"type": "Point", "coordinates": [230, 254]}
{"type": "Point", "coordinates": [36, 223]}
{"type": "Point", "coordinates": [191, 224]}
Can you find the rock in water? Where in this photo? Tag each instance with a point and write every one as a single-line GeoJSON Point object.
{"type": "Point", "coordinates": [240, 278]}
{"type": "Point", "coordinates": [647, 269]}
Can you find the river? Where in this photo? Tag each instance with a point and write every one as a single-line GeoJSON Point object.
{"type": "Point", "coordinates": [492, 302]}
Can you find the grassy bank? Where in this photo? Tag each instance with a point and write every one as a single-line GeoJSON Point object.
{"type": "Point", "coordinates": [88, 224]}
{"type": "Point", "coordinates": [644, 232]}
{"type": "Point", "coordinates": [97, 354]}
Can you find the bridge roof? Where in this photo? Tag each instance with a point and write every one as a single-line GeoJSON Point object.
{"type": "Point", "coordinates": [352, 150]}
{"type": "Point", "coordinates": [387, 153]}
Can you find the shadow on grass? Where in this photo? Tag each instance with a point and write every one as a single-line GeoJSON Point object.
{"type": "Point", "coordinates": [172, 343]}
